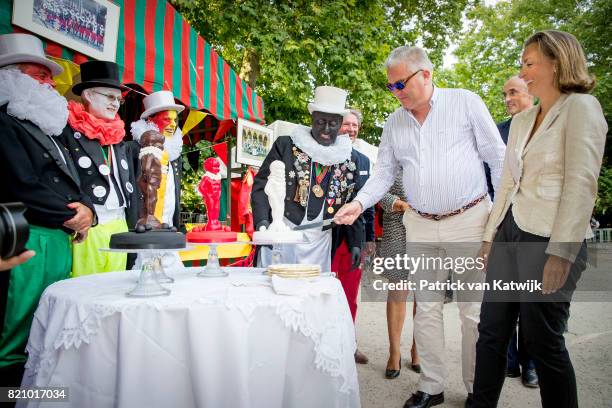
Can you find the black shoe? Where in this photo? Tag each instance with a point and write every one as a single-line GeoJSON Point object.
{"type": "Point", "coordinates": [513, 372]}
{"type": "Point", "coordinates": [391, 374]}
{"type": "Point", "coordinates": [416, 368]}
{"type": "Point", "coordinates": [424, 400]}
{"type": "Point", "coordinates": [530, 378]}
{"type": "Point", "coordinates": [469, 400]}
{"type": "Point", "coordinates": [360, 358]}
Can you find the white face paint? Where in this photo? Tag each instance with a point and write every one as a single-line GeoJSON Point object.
{"type": "Point", "coordinates": [102, 102]}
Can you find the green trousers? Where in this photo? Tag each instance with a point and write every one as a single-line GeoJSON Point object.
{"type": "Point", "coordinates": [27, 282]}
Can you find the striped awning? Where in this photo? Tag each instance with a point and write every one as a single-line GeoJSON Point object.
{"type": "Point", "coordinates": [157, 49]}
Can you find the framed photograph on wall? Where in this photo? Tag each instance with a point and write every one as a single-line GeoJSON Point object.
{"type": "Point", "coordinates": [253, 143]}
{"type": "Point", "coordinates": [87, 26]}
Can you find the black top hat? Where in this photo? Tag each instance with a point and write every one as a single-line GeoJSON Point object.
{"type": "Point", "coordinates": [98, 73]}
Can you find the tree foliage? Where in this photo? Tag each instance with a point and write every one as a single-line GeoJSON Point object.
{"type": "Point", "coordinates": [287, 48]}
{"type": "Point", "coordinates": [489, 52]}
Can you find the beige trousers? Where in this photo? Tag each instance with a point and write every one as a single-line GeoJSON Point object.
{"type": "Point", "coordinates": [451, 238]}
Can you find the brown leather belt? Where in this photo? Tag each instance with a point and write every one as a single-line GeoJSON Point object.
{"type": "Point", "coordinates": [438, 217]}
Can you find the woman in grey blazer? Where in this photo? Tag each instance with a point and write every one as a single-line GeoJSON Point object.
{"type": "Point", "coordinates": [394, 242]}
{"type": "Point", "coordinates": [540, 218]}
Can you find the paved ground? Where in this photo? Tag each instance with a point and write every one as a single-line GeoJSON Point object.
{"type": "Point", "coordinates": [589, 341]}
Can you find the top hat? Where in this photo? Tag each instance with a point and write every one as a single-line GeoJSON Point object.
{"type": "Point", "coordinates": [329, 99]}
{"type": "Point", "coordinates": [158, 102]}
{"type": "Point", "coordinates": [20, 48]}
{"type": "Point", "coordinates": [98, 73]}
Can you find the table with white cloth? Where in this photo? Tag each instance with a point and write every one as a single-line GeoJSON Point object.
{"type": "Point", "coordinates": [245, 340]}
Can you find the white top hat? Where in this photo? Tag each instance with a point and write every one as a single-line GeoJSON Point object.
{"type": "Point", "coordinates": [158, 102]}
{"type": "Point", "coordinates": [18, 48]}
{"type": "Point", "coordinates": [329, 99]}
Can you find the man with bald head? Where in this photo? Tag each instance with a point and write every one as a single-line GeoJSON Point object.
{"type": "Point", "coordinates": [517, 99]}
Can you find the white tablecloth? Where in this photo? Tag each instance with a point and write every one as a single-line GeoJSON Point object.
{"type": "Point", "coordinates": [220, 342]}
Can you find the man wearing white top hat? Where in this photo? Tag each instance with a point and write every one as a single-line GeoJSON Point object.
{"type": "Point", "coordinates": [161, 114]}
{"type": "Point", "coordinates": [37, 171]}
{"type": "Point", "coordinates": [323, 172]}
{"type": "Point", "coordinates": [99, 152]}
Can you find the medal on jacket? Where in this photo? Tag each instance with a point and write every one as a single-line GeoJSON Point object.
{"type": "Point", "coordinates": [317, 190]}
{"type": "Point", "coordinates": [301, 195]}
{"type": "Point", "coordinates": [320, 173]}
{"type": "Point", "coordinates": [330, 203]}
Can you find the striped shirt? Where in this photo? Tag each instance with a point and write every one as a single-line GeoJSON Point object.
{"type": "Point", "coordinates": [442, 160]}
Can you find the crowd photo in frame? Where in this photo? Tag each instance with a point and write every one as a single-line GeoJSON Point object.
{"type": "Point", "coordinates": [87, 26]}
{"type": "Point", "coordinates": [253, 143]}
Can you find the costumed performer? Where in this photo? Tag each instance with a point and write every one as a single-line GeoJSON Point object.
{"type": "Point", "coordinates": [161, 114]}
{"type": "Point", "coordinates": [323, 172]}
{"type": "Point", "coordinates": [37, 171]}
{"type": "Point", "coordinates": [97, 147]}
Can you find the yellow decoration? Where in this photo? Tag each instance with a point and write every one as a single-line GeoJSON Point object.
{"type": "Point", "coordinates": [195, 117]}
{"type": "Point", "coordinates": [64, 81]}
{"type": "Point", "coordinates": [225, 251]}
{"type": "Point", "coordinates": [161, 191]}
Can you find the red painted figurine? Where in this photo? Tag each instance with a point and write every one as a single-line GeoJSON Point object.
{"type": "Point", "coordinates": [210, 188]}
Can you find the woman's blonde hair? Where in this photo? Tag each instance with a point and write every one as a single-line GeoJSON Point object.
{"type": "Point", "coordinates": [571, 73]}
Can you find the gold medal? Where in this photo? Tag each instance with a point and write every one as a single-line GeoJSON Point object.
{"type": "Point", "coordinates": [317, 190]}
{"type": "Point", "coordinates": [330, 210]}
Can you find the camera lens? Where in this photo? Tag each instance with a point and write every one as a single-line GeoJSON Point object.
{"type": "Point", "coordinates": [14, 229]}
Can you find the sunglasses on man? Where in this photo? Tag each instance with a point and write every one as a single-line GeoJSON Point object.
{"type": "Point", "coordinates": [399, 85]}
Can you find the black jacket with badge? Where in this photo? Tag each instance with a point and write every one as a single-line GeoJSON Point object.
{"type": "Point", "coordinates": [340, 186]}
{"type": "Point", "coordinates": [33, 172]}
{"type": "Point", "coordinates": [88, 158]}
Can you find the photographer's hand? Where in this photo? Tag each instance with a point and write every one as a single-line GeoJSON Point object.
{"type": "Point", "coordinates": [82, 219]}
{"type": "Point", "coordinates": [6, 264]}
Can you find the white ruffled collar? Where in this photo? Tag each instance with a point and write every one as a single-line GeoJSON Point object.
{"type": "Point", "coordinates": [339, 152]}
{"type": "Point", "coordinates": [173, 145]}
{"type": "Point", "coordinates": [29, 100]}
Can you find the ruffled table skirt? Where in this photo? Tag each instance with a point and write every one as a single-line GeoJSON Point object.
{"type": "Point", "coordinates": [222, 342]}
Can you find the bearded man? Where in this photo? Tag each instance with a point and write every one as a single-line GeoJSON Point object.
{"type": "Point", "coordinates": [97, 147]}
{"type": "Point", "coordinates": [37, 171]}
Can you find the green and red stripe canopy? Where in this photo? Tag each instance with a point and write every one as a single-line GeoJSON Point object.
{"type": "Point", "coordinates": [157, 49]}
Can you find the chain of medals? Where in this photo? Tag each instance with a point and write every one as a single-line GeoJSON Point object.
{"type": "Point", "coordinates": [342, 179]}
{"type": "Point", "coordinates": [302, 165]}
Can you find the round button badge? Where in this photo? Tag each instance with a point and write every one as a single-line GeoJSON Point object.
{"type": "Point", "coordinates": [99, 191]}
{"type": "Point", "coordinates": [124, 164]}
{"type": "Point", "coordinates": [77, 135]}
{"type": "Point", "coordinates": [84, 162]}
{"type": "Point", "coordinates": [129, 187]}
{"type": "Point", "coordinates": [104, 170]}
